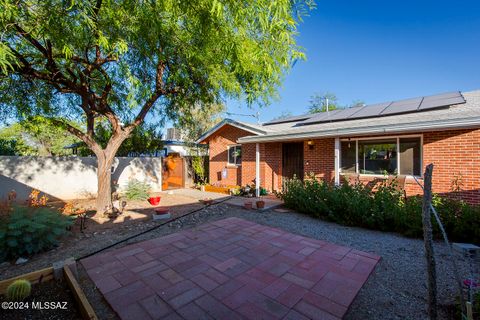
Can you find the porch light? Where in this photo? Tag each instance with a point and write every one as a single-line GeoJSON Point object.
{"type": "Point", "coordinates": [310, 144]}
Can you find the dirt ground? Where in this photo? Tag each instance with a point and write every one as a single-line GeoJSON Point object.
{"type": "Point", "coordinates": [136, 217]}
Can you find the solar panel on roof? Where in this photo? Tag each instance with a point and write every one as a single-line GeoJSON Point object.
{"type": "Point", "coordinates": [370, 111]}
{"type": "Point", "coordinates": [402, 106]}
{"type": "Point", "coordinates": [434, 103]}
{"type": "Point", "coordinates": [289, 119]}
{"type": "Point", "coordinates": [389, 108]}
{"type": "Point", "coordinates": [322, 116]}
{"type": "Point", "coordinates": [443, 95]}
{"type": "Point", "coordinates": [344, 113]}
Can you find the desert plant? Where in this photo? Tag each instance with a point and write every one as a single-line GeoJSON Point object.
{"type": "Point", "coordinates": [35, 200]}
{"type": "Point", "coordinates": [30, 230]}
{"type": "Point", "coordinates": [137, 190]}
{"type": "Point", "coordinates": [19, 290]}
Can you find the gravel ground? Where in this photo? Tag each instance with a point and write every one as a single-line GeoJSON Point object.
{"type": "Point", "coordinates": [395, 290]}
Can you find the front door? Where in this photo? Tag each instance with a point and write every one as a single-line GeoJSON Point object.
{"type": "Point", "coordinates": [292, 160]}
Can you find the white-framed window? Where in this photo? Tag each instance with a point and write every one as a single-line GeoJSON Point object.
{"type": "Point", "coordinates": [234, 155]}
{"type": "Point", "coordinates": [382, 155]}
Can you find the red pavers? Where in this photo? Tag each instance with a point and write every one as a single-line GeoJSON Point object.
{"type": "Point", "coordinates": [233, 269]}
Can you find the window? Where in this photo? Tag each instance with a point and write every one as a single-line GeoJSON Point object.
{"type": "Point", "coordinates": [381, 156]}
{"type": "Point", "coordinates": [410, 159]}
{"type": "Point", "coordinates": [377, 156]}
{"type": "Point", "coordinates": [234, 155]}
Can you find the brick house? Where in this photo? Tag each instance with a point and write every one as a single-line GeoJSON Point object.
{"type": "Point", "coordinates": [368, 142]}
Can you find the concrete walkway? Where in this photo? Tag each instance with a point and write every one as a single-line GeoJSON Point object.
{"type": "Point", "coordinates": [271, 201]}
{"type": "Point", "coordinates": [233, 269]}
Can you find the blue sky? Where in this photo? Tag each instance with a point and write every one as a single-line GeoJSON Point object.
{"type": "Point", "coordinates": [378, 51]}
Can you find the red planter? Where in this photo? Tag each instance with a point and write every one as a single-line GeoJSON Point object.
{"type": "Point", "coordinates": [154, 201]}
{"type": "Point", "coordinates": [260, 204]}
{"type": "Point", "coordinates": [248, 205]}
{"type": "Point", "coordinates": [161, 210]}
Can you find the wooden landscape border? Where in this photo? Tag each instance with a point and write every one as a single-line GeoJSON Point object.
{"type": "Point", "coordinates": [224, 190]}
{"type": "Point", "coordinates": [85, 306]}
{"type": "Point", "coordinates": [47, 274]}
{"type": "Point", "coordinates": [34, 277]}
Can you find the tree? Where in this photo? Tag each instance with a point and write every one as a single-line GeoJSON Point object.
{"type": "Point", "coordinates": [144, 139]}
{"type": "Point", "coordinates": [318, 102]}
{"type": "Point", "coordinates": [197, 120]}
{"type": "Point", "coordinates": [121, 60]}
{"type": "Point", "coordinates": [357, 103]}
{"type": "Point", "coordinates": [37, 136]}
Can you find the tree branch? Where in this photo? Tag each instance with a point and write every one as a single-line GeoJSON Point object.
{"type": "Point", "coordinates": [158, 92]}
{"type": "Point", "coordinates": [92, 144]}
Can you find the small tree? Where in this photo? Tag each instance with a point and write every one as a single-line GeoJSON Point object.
{"type": "Point", "coordinates": [37, 136]}
{"type": "Point", "coordinates": [318, 102]}
{"type": "Point", "coordinates": [120, 60]}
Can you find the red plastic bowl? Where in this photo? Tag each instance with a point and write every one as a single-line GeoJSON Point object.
{"type": "Point", "coordinates": [154, 201]}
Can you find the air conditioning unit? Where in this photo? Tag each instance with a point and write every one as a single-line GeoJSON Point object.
{"type": "Point", "coordinates": [174, 134]}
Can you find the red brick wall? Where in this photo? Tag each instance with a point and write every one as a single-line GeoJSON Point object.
{"type": "Point", "coordinates": [218, 143]}
{"type": "Point", "coordinates": [272, 179]}
{"type": "Point", "coordinates": [248, 164]}
{"type": "Point", "coordinates": [321, 159]}
{"type": "Point", "coordinates": [453, 153]}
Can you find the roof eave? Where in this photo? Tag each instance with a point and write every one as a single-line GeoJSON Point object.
{"type": "Point", "coordinates": [464, 123]}
{"type": "Point", "coordinates": [231, 122]}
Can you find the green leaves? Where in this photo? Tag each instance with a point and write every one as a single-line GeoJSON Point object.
{"type": "Point", "coordinates": [7, 59]}
{"type": "Point", "coordinates": [209, 49]}
{"type": "Point", "coordinates": [30, 230]}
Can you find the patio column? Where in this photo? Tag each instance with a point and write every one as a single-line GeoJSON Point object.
{"type": "Point", "coordinates": [257, 169]}
{"type": "Point", "coordinates": [337, 161]}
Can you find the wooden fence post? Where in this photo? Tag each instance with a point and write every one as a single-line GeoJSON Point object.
{"type": "Point", "coordinates": [428, 242]}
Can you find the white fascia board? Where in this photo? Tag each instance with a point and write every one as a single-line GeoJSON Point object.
{"type": "Point", "coordinates": [233, 123]}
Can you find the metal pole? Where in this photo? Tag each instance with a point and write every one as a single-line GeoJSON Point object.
{"type": "Point", "coordinates": [257, 170]}
{"type": "Point", "coordinates": [428, 242]}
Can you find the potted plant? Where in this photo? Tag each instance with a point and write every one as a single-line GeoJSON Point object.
{"type": "Point", "coordinates": [248, 205]}
{"type": "Point", "coordinates": [260, 204]}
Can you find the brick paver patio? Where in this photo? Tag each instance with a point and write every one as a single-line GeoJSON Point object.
{"type": "Point", "coordinates": [231, 269]}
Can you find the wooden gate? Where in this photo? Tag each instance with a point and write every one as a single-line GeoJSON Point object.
{"type": "Point", "coordinates": [292, 160]}
{"type": "Point", "coordinates": [173, 173]}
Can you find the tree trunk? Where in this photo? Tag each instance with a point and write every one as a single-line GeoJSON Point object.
{"type": "Point", "coordinates": [105, 160]}
{"type": "Point", "coordinates": [104, 176]}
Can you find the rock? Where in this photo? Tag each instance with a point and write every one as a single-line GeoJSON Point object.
{"type": "Point", "coordinates": [4, 264]}
{"type": "Point", "coordinates": [21, 260]}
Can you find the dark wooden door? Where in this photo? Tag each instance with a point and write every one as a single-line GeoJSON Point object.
{"type": "Point", "coordinates": [292, 160]}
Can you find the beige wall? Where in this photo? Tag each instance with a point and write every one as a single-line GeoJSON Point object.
{"type": "Point", "coordinates": [69, 178]}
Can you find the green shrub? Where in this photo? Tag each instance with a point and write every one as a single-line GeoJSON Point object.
{"type": "Point", "coordinates": [30, 230]}
{"type": "Point", "coordinates": [19, 290]}
{"type": "Point", "coordinates": [137, 190]}
{"type": "Point", "coordinates": [198, 165]}
{"type": "Point", "coordinates": [385, 209]}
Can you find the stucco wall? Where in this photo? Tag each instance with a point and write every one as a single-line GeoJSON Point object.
{"type": "Point", "coordinates": [68, 178]}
